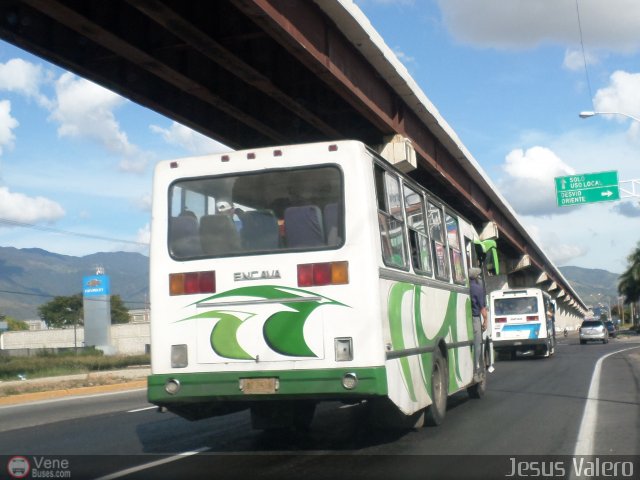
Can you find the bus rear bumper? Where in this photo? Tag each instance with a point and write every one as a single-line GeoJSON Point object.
{"type": "Point", "coordinates": [518, 343]}
{"type": "Point", "coordinates": [201, 395]}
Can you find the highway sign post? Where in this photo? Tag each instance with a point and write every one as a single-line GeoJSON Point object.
{"type": "Point", "coordinates": [587, 188]}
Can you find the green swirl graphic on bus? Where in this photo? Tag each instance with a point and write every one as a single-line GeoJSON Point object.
{"type": "Point", "coordinates": [283, 331]}
{"type": "Point", "coordinates": [447, 327]}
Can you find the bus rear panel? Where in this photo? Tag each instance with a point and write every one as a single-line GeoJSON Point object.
{"type": "Point", "coordinates": [522, 322]}
{"type": "Point", "coordinates": [271, 300]}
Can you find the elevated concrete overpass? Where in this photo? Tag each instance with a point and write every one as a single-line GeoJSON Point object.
{"type": "Point", "coordinates": [252, 73]}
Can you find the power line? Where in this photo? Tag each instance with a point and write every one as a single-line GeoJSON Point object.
{"type": "Point", "coordinates": [49, 295]}
{"type": "Point", "coordinates": [584, 56]}
{"type": "Point", "coordinates": [15, 223]}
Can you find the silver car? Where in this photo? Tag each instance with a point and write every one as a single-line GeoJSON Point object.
{"type": "Point", "coordinates": [593, 330]}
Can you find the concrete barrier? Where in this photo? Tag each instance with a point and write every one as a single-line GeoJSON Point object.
{"type": "Point", "coordinates": [126, 339]}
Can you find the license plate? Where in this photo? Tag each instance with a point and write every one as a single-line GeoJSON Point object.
{"type": "Point", "coordinates": [251, 386]}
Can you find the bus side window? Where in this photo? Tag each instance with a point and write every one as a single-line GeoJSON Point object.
{"type": "Point", "coordinates": [418, 238]}
{"type": "Point", "coordinates": [469, 253]}
{"type": "Point", "coordinates": [436, 230]}
{"type": "Point", "coordinates": [453, 238]}
{"type": "Point", "coordinates": [390, 219]}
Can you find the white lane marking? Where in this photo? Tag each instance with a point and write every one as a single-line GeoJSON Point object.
{"type": "Point", "coordinates": [586, 433]}
{"type": "Point", "coordinates": [142, 409]}
{"type": "Point", "coordinates": [145, 466]}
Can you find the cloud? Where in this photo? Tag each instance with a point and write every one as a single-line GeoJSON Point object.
{"type": "Point", "coordinates": [82, 109]}
{"type": "Point", "coordinates": [507, 24]}
{"type": "Point", "coordinates": [189, 139]}
{"type": "Point", "coordinates": [563, 254]}
{"type": "Point", "coordinates": [529, 183]}
{"type": "Point", "coordinates": [627, 209]}
{"type": "Point", "coordinates": [7, 124]}
{"type": "Point", "coordinates": [574, 60]}
{"type": "Point", "coordinates": [144, 234]}
{"type": "Point", "coordinates": [22, 208]}
{"type": "Point", "coordinates": [143, 202]}
{"type": "Point", "coordinates": [143, 237]}
{"type": "Point", "coordinates": [621, 95]}
{"type": "Point", "coordinates": [559, 253]}
{"type": "Point", "coordinates": [20, 76]}
{"type": "Point", "coordinates": [594, 235]}
{"type": "Point", "coordinates": [403, 57]}
{"type": "Point", "coordinates": [85, 110]}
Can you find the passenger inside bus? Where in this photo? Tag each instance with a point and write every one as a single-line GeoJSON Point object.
{"type": "Point", "coordinates": [304, 226]}
{"type": "Point", "coordinates": [184, 236]}
{"type": "Point", "coordinates": [218, 234]}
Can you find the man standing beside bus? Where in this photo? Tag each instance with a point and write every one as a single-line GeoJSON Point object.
{"type": "Point", "coordinates": [478, 315]}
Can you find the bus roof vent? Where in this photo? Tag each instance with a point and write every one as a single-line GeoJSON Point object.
{"type": "Point", "coordinates": [399, 151]}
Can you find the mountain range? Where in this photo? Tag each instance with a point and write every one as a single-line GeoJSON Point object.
{"type": "Point", "coordinates": [30, 277]}
{"type": "Point", "coordinates": [593, 285]}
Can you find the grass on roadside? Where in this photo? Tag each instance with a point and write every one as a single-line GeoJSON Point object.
{"type": "Point", "coordinates": [48, 364]}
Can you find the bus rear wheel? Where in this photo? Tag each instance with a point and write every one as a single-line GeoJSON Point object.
{"type": "Point", "coordinates": [435, 412]}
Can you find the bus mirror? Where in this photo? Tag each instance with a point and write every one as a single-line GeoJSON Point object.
{"type": "Point", "coordinates": [483, 248]}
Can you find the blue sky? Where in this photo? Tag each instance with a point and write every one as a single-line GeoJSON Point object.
{"type": "Point", "coordinates": [507, 75]}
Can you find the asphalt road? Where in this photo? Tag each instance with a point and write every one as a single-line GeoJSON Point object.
{"type": "Point", "coordinates": [579, 402]}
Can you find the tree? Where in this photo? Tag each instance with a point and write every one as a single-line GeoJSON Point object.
{"type": "Point", "coordinates": [66, 311]}
{"type": "Point", "coordinates": [629, 283]}
{"type": "Point", "coordinates": [119, 313]}
{"type": "Point", "coordinates": [13, 324]}
{"type": "Point", "coordinates": [62, 311]}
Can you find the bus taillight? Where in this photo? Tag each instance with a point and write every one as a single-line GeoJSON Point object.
{"type": "Point", "coordinates": [532, 318]}
{"type": "Point", "coordinates": [328, 273]}
{"type": "Point", "coordinates": [500, 320]}
{"type": "Point", "coordinates": [192, 282]}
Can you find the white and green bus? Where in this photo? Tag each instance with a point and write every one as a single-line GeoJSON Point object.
{"type": "Point", "coordinates": [282, 277]}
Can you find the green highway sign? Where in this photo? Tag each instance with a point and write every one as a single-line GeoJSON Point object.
{"type": "Point", "coordinates": [587, 188]}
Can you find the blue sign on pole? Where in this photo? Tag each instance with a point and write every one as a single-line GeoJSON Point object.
{"type": "Point", "coordinates": [96, 285]}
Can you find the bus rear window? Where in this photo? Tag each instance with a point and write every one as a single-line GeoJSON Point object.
{"type": "Point", "coordinates": [516, 306]}
{"type": "Point", "coordinates": [258, 212]}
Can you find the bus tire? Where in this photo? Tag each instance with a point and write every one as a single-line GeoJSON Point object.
{"type": "Point", "coordinates": [435, 412]}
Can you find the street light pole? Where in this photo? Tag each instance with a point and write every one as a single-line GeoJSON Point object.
{"type": "Point", "coordinates": [75, 330]}
{"type": "Point", "coordinates": [588, 114]}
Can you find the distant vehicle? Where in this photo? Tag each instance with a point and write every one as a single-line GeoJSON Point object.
{"type": "Point", "coordinates": [611, 328]}
{"type": "Point", "coordinates": [522, 320]}
{"type": "Point", "coordinates": [593, 330]}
